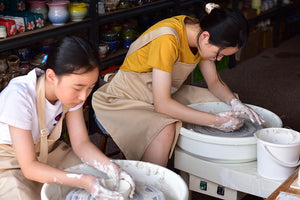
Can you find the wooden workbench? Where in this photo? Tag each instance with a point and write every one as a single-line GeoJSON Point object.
{"type": "Point", "coordinates": [285, 186]}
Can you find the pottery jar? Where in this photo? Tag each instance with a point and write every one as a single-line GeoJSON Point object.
{"type": "Point", "coordinates": [78, 11]}
{"type": "Point", "coordinates": [58, 13]}
{"type": "Point", "coordinates": [13, 62]}
{"type": "Point", "coordinates": [10, 26]}
{"type": "Point", "coordinates": [103, 49]}
{"type": "Point", "coordinates": [3, 65]}
{"type": "Point", "coordinates": [5, 80]}
{"type": "Point", "coordinates": [101, 9]}
{"type": "Point", "coordinates": [24, 68]}
{"type": "Point", "coordinates": [39, 7]}
{"type": "Point", "coordinates": [17, 5]}
{"type": "Point", "coordinates": [109, 36]}
{"type": "Point", "coordinates": [3, 33]}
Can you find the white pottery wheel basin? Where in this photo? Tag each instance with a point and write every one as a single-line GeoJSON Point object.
{"type": "Point", "coordinates": [222, 149]}
{"type": "Point", "coordinates": [143, 173]}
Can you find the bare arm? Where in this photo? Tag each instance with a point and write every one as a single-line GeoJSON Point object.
{"type": "Point", "coordinates": [35, 170]}
{"type": "Point", "coordinates": [214, 82]}
{"type": "Point", "coordinates": [163, 102]}
{"type": "Point", "coordinates": [222, 91]}
{"type": "Point", "coordinates": [80, 141]}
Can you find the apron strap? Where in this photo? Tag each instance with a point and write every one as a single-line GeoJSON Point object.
{"type": "Point", "coordinates": [148, 37]}
{"type": "Point", "coordinates": [44, 142]}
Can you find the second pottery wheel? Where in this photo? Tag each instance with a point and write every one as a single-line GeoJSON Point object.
{"type": "Point", "coordinates": [222, 147]}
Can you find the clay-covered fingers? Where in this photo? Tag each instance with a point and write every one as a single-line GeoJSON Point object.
{"type": "Point", "coordinates": [255, 116]}
{"type": "Point", "coordinates": [228, 121]}
{"type": "Point", "coordinates": [125, 176]}
{"type": "Point", "coordinates": [237, 105]}
{"type": "Point", "coordinates": [112, 170]}
{"type": "Point", "coordinates": [100, 192]}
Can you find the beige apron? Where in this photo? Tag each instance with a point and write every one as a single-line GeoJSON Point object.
{"type": "Point", "coordinates": [125, 108]}
{"type": "Point", "coordinates": [13, 184]}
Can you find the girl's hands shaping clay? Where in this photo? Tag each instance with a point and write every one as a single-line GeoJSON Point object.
{"type": "Point", "coordinates": [114, 172]}
{"type": "Point", "coordinates": [228, 121]}
{"type": "Point", "coordinates": [100, 192]}
{"type": "Point", "coordinates": [237, 105]}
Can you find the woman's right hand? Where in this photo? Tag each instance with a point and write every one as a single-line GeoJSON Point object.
{"type": "Point", "coordinates": [228, 121]}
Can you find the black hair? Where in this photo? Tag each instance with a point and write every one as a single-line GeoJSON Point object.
{"type": "Point", "coordinates": [227, 28]}
{"type": "Point", "coordinates": [70, 54]}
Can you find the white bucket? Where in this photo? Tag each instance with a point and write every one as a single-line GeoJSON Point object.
{"type": "Point", "coordinates": [168, 182]}
{"type": "Point", "coordinates": [278, 151]}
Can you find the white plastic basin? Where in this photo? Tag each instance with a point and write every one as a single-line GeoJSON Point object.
{"type": "Point", "coordinates": [165, 180]}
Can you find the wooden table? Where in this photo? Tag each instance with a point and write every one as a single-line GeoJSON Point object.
{"type": "Point", "coordinates": [285, 186]}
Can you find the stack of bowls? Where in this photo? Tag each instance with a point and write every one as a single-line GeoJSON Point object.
{"type": "Point", "coordinates": [111, 38]}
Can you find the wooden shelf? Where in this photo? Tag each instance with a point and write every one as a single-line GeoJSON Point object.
{"type": "Point", "coordinates": [30, 37]}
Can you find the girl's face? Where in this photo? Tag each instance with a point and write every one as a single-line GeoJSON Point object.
{"type": "Point", "coordinates": [212, 52]}
{"type": "Point", "coordinates": [73, 89]}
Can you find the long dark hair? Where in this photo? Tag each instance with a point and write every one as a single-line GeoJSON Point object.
{"type": "Point", "coordinates": [70, 54]}
{"type": "Point", "coordinates": [227, 28]}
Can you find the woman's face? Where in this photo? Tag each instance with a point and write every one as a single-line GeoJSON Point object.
{"type": "Point", "coordinates": [212, 52]}
{"type": "Point", "coordinates": [73, 89]}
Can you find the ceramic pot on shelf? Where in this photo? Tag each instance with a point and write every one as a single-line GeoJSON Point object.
{"type": "Point", "coordinates": [78, 11]}
{"type": "Point", "coordinates": [58, 13]}
{"type": "Point", "coordinates": [39, 6]}
{"type": "Point", "coordinates": [103, 49]}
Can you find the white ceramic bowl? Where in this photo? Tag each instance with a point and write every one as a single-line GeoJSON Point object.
{"type": "Point", "coordinates": [223, 149]}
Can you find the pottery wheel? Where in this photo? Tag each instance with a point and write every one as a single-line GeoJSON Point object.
{"type": "Point", "coordinates": [247, 130]}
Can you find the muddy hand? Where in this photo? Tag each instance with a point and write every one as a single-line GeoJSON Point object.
{"type": "Point", "coordinates": [237, 105]}
{"type": "Point", "coordinates": [112, 170]}
{"type": "Point", "coordinates": [125, 176]}
{"type": "Point", "coordinates": [100, 192]}
{"type": "Point", "coordinates": [228, 121]}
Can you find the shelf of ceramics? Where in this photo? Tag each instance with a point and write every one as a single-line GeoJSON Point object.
{"type": "Point", "coordinates": [274, 12]}
{"type": "Point", "coordinates": [26, 38]}
{"type": "Point", "coordinates": [139, 10]}
{"type": "Point", "coordinates": [114, 58]}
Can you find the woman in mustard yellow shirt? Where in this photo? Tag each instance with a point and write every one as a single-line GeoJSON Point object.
{"type": "Point", "coordinates": [143, 106]}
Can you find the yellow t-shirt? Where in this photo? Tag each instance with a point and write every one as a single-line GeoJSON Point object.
{"type": "Point", "coordinates": [162, 52]}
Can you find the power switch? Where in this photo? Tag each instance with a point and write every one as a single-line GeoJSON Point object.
{"type": "Point", "coordinates": [203, 185]}
{"type": "Point", "coordinates": [220, 190]}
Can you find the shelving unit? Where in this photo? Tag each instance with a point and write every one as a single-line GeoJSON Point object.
{"type": "Point", "coordinates": [94, 21]}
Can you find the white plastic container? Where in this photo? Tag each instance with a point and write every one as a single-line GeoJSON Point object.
{"type": "Point", "coordinates": [278, 151]}
{"type": "Point", "coordinates": [223, 149]}
{"type": "Point", "coordinates": [168, 182]}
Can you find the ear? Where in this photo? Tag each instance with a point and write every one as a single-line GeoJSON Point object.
{"type": "Point", "coordinates": [205, 36]}
{"type": "Point", "coordinates": [50, 75]}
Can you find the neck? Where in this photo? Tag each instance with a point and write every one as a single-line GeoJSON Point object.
{"type": "Point", "coordinates": [49, 92]}
{"type": "Point", "coordinates": [192, 31]}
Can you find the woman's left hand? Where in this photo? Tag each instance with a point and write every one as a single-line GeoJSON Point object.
{"type": "Point", "coordinates": [237, 105]}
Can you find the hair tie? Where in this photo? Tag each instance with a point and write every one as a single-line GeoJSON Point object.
{"type": "Point", "coordinates": [210, 6]}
